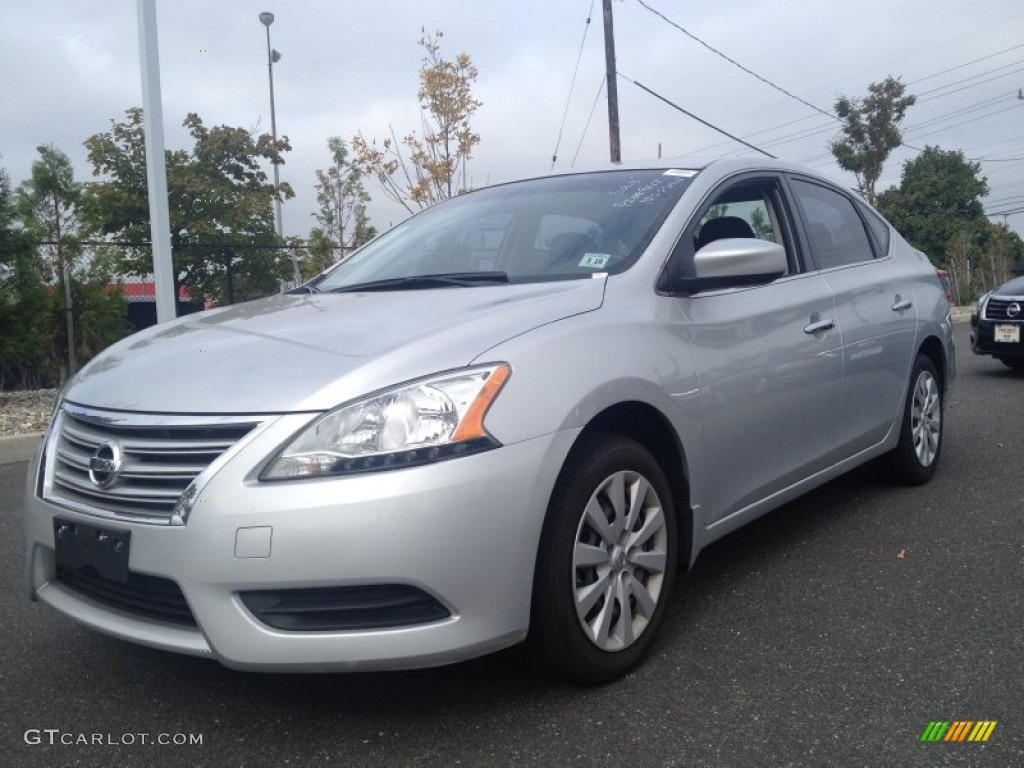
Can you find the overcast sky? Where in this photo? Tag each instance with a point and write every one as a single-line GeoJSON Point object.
{"type": "Point", "coordinates": [70, 67]}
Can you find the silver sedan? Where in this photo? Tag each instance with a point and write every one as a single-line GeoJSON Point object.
{"type": "Point", "coordinates": [518, 416]}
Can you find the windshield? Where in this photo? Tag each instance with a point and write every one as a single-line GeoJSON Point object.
{"type": "Point", "coordinates": [559, 227]}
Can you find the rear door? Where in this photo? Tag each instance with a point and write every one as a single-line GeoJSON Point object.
{"type": "Point", "coordinates": [875, 307]}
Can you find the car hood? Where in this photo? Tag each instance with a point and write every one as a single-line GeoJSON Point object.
{"type": "Point", "coordinates": [311, 352]}
{"type": "Point", "coordinates": [1014, 287]}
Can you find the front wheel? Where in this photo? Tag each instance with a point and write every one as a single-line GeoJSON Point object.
{"type": "Point", "coordinates": [915, 457]}
{"type": "Point", "coordinates": [606, 563]}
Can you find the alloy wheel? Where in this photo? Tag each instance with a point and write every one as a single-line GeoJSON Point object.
{"type": "Point", "coordinates": [926, 418]}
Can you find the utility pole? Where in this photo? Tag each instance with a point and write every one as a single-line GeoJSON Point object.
{"type": "Point", "coordinates": [613, 91]}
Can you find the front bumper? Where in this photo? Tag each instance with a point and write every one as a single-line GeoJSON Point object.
{"type": "Point", "coordinates": [983, 339]}
{"type": "Point", "coordinates": [464, 531]}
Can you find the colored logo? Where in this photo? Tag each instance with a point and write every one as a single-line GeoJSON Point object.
{"type": "Point", "coordinates": [958, 730]}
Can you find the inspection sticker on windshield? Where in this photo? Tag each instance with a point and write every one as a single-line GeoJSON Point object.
{"type": "Point", "coordinates": [595, 260]}
{"type": "Point", "coordinates": [680, 172]}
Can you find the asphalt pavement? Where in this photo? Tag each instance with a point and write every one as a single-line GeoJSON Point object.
{"type": "Point", "coordinates": [828, 633]}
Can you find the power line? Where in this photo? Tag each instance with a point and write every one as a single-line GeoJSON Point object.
{"type": "Point", "coordinates": [977, 106]}
{"type": "Point", "coordinates": [966, 64]}
{"type": "Point", "coordinates": [572, 85]}
{"type": "Point", "coordinates": [779, 139]}
{"type": "Point", "coordinates": [807, 133]}
{"type": "Point", "coordinates": [735, 63]}
{"type": "Point", "coordinates": [1004, 213]}
{"type": "Point", "coordinates": [1011, 200]}
{"type": "Point", "coordinates": [1012, 184]}
{"type": "Point", "coordinates": [940, 44]}
{"type": "Point", "coordinates": [698, 119]}
{"type": "Point", "coordinates": [1015, 144]}
{"type": "Point", "coordinates": [913, 131]}
{"type": "Point", "coordinates": [972, 85]}
{"type": "Point", "coordinates": [600, 90]}
{"type": "Point", "coordinates": [972, 120]}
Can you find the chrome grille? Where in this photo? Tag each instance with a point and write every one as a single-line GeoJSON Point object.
{"type": "Point", "coordinates": [996, 308]}
{"type": "Point", "coordinates": [160, 456]}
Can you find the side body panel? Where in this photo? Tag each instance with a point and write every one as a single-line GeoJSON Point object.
{"type": "Point", "coordinates": [877, 317]}
{"type": "Point", "coordinates": [769, 390]}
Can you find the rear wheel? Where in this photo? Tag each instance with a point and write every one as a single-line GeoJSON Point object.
{"type": "Point", "coordinates": [914, 459]}
{"type": "Point", "coordinates": [606, 563]}
{"type": "Point", "coordinates": [1016, 363]}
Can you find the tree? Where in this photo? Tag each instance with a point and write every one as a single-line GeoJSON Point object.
{"type": "Point", "coordinates": [66, 305]}
{"type": "Point", "coordinates": [937, 207]}
{"type": "Point", "coordinates": [717, 211]}
{"type": "Point", "coordinates": [762, 227]}
{"type": "Point", "coordinates": [939, 195]}
{"type": "Point", "coordinates": [961, 252]}
{"type": "Point", "coordinates": [49, 203]}
{"type": "Point", "coordinates": [870, 131]}
{"type": "Point", "coordinates": [1002, 248]}
{"type": "Point", "coordinates": [343, 224]}
{"type": "Point", "coordinates": [433, 167]}
{"type": "Point", "coordinates": [219, 199]}
{"type": "Point", "coordinates": [25, 306]}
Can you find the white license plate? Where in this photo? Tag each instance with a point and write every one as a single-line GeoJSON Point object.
{"type": "Point", "coordinates": [1009, 333]}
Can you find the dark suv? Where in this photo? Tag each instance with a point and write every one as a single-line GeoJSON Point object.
{"type": "Point", "coordinates": [996, 325]}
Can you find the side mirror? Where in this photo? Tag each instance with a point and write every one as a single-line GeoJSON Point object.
{"type": "Point", "coordinates": [732, 262]}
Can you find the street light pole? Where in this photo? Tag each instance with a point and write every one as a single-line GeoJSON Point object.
{"type": "Point", "coordinates": [267, 18]}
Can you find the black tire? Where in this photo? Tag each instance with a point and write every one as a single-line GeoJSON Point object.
{"type": "Point", "coordinates": [916, 456]}
{"type": "Point", "coordinates": [557, 638]}
{"type": "Point", "coordinates": [1015, 363]}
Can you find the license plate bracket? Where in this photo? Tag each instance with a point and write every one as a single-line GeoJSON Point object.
{"type": "Point", "coordinates": [1008, 334]}
{"type": "Point", "coordinates": [78, 545]}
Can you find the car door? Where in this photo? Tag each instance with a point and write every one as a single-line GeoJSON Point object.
{"type": "Point", "coordinates": [874, 308]}
{"type": "Point", "coordinates": [768, 357]}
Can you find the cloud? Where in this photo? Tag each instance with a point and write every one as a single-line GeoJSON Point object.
{"type": "Point", "coordinates": [347, 67]}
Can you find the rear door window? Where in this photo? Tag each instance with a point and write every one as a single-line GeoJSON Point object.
{"type": "Point", "coordinates": [835, 231]}
{"type": "Point", "coordinates": [878, 227]}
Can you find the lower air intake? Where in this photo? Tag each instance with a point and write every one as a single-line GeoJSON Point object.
{"type": "Point", "coordinates": [375, 606]}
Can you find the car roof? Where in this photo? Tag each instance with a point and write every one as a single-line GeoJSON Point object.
{"type": "Point", "coordinates": [720, 167]}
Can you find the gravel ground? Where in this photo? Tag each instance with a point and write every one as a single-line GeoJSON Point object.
{"type": "Point", "coordinates": [24, 412]}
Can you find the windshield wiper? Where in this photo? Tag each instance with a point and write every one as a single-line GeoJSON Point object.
{"type": "Point", "coordinates": [447, 279]}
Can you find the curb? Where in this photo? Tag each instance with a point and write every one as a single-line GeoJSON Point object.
{"type": "Point", "coordinates": [19, 447]}
{"type": "Point", "coordinates": [961, 314]}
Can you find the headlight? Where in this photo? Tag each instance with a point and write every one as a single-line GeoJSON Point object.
{"type": "Point", "coordinates": [425, 421]}
{"type": "Point", "coordinates": [982, 302]}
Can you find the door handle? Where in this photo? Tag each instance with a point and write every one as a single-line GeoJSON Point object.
{"type": "Point", "coordinates": [820, 325]}
{"type": "Point", "coordinates": [899, 306]}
